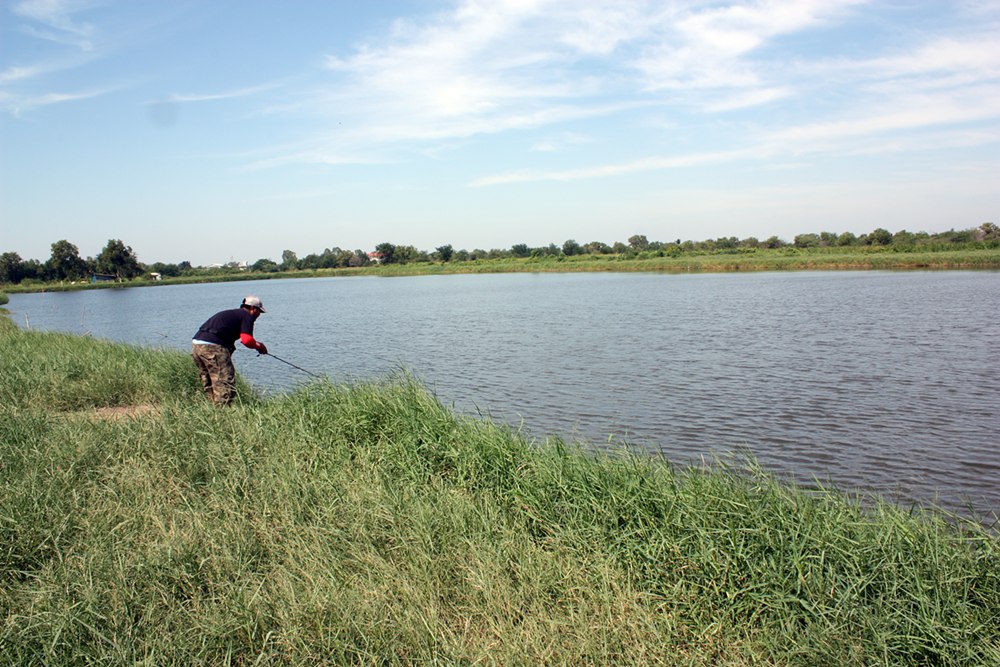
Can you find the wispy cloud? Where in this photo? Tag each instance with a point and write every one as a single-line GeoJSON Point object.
{"type": "Point", "coordinates": [224, 95]}
{"type": "Point", "coordinates": [932, 120]}
{"type": "Point", "coordinates": [559, 142]}
{"type": "Point", "coordinates": [914, 113]}
{"type": "Point", "coordinates": [20, 105]}
{"type": "Point", "coordinates": [746, 99]}
{"type": "Point", "coordinates": [17, 73]}
{"type": "Point", "coordinates": [53, 20]}
{"type": "Point", "coordinates": [311, 155]}
{"type": "Point", "coordinates": [492, 66]}
{"type": "Point", "coordinates": [618, 169]}
{"type": "Point", "coordinates": [486, 67]}
{"type": "Point", "coordinates": [976, 55]}
{"type": "Point", "coordinates": [708, 47]}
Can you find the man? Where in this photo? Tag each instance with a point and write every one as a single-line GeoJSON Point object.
{"type": "Point", "coordinates": [213, 346]}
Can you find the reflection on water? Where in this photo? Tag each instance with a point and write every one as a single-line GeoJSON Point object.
{"type": "Point", "coordinates": [868, 380]}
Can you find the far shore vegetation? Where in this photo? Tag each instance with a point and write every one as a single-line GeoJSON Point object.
{"type": "Point", "coordinates": [368, 524]}
{"type": "Point", "coordinates": [117, 264]}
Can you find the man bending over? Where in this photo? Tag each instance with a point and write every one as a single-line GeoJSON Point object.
{"type": "Point", "coordinates": [213, 346]}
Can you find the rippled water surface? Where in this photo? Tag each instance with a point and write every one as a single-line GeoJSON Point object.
{"type": "Point", "coordinates": [868, 380]}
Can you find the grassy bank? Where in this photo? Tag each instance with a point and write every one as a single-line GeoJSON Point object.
{"type": "Point", "coordinates": [367, 524]}
{"type": "Point", "coordinates": [817, 259]}
{"type": "Point", "coordinates": [785, 259]}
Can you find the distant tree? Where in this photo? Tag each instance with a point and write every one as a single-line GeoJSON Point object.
{"type": "Point", "coordinates": [571, 247]}
{"type": "Point", "coordinates": [847, 239]}
{"type": "Point", "coordinates": [748, 242]}
{"type": "Point", "coordinates": [953, 236]}
{"type": "Point", "coordinates": [597, 248]}
{"type": "Point", "coordinates": [806, 241]}
{"type": "Point", "coordinates": [387, 251]}
{"type": "Point", "coordinates": [65, 262]}
{"type": "Point", "coordinates": [445, 252]}
{"type": "Point", "coordinates": [34, 270]}
{"type": "Point", "coordinates": [119, 260]}
{"type": "Point", "coordinates": [880, 237]}
{"type": "Point", "coordinates": [342, 257]}
{"type": "Point", "coordinates": [405, 254]}
{"type": "Point", "coordinates": [987, 231]}
{"type": "Point", "coordinates": [827, 239]}
{"type": "Point", "coordinates": [169, 270]}
{"type": "Point", "coordinates": [310, 261]}
{"type": "Point", "coordinates": [619, 248]}
{"type": "Point", "coordinates": [520, 250]}
{"type": "Point", "coordinates": [638, 242]}
{"type": "Point", "coordinates": [328, 259]}
{"type": "Point", "coordinates": [264, 265]}
{"type": "Point", "coordinates": [773, 242]}
{"type": "Point", "coordinates": [289, 260]}
{"type": "Point", "coordinates": [903, 238]}
{"type": "Point", "coordinates": [11, 268]}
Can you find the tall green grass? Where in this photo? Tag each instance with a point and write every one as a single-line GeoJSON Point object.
{"type": "Point", "coordinates": [367, 524]}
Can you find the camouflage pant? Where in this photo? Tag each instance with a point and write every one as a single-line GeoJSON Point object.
{"type": "Point", "coordinates": [218, 376]}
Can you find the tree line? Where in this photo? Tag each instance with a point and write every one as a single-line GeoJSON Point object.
{"type": "Point", "coordinates": [116, 260]}
{"type": "Point", "coordinates": [119, 261]}
{"type": "Point", "coordinates": [638, 246]}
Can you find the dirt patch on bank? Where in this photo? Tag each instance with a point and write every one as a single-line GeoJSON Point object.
{"type": "Point", "coordinates": [119, 412]}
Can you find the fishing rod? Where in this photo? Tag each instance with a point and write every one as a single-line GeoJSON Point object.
{"type": "Point", "coordinates": [318, 377]}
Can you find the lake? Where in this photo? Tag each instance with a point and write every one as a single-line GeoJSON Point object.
{"type": "Point", "coordinates": [869, 381]}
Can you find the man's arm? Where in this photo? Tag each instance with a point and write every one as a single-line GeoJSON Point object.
{"type": "Point", "coordinates": [252, 343]}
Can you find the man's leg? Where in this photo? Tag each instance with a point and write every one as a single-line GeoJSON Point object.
{"type": "Point", "coordinates": [203, 371]}
{"type": "Point", "coordinates": [218, 364]}
{"type": "Point", "coordinates": [224, 377]}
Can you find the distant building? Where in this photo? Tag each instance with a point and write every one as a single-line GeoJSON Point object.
{"type": "Point", "coordinates": [156, 276]}
{"type": "Point", "coordinates": [376, 257]}
{"type": "Point", "coordinates": [242, 266]}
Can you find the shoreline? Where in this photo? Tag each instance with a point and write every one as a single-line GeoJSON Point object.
{"type": "Point", "coordinates": [785, 260]}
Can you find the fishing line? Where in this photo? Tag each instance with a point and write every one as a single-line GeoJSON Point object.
{"type": "Point", "coordinates": [318, 377]}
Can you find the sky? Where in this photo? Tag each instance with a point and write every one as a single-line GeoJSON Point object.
{"type": "Point", "coordinates": [232, 130]}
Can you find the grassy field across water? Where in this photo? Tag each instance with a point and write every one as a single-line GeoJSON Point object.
{"type": "Point", "coordinates": [368, 524]}
{"type": "Point", "coordinates": [784, 259]}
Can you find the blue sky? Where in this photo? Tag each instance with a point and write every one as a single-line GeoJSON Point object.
{"type": "Point", "coordinates": [224, 130]}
